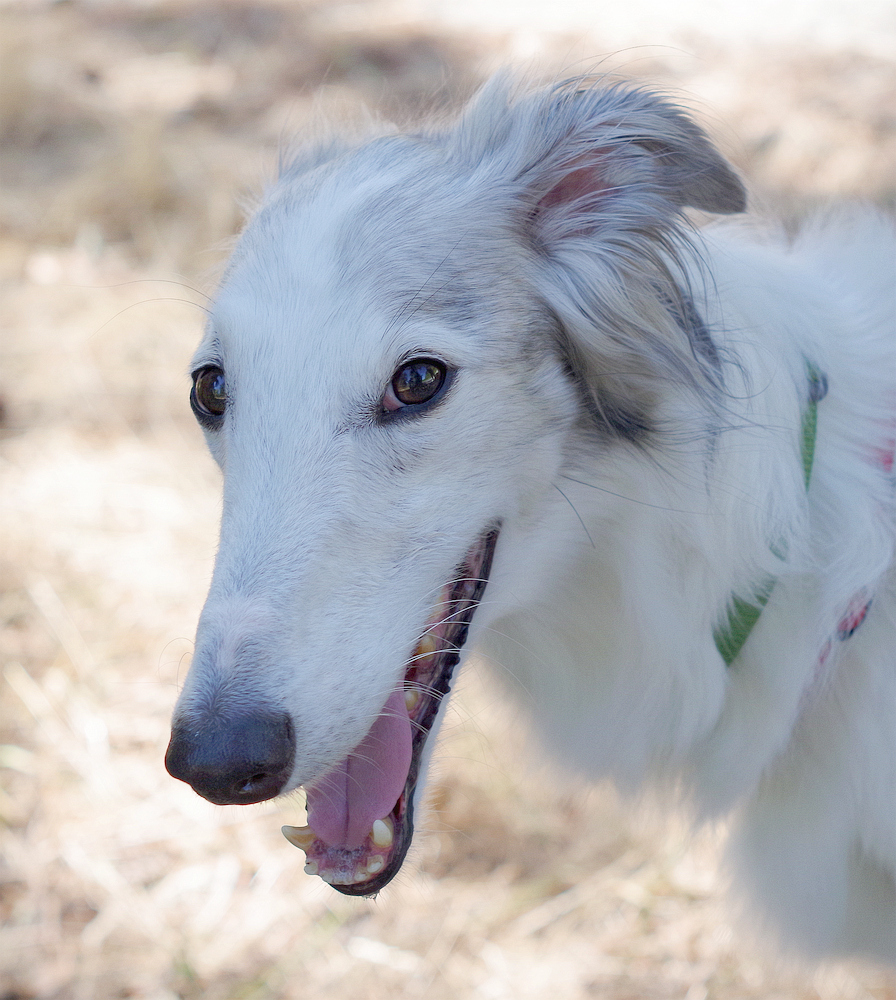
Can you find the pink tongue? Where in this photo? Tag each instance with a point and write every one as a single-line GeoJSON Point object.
{"type": "Point", "coordinates": [344, 803]}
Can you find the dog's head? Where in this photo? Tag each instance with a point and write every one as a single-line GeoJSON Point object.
{"type": "Point", "coordinates": [406, 336]}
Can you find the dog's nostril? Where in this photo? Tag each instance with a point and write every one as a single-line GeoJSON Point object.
{"type": "Point", "coordinates": [254, 783]}
{"type": "Point", "coordinates": [238, 759]}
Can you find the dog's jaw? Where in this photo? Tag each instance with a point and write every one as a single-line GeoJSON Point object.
{"type": "Point", "coordinates": [346, 844]}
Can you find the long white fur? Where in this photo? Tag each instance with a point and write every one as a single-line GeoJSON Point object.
{"type": "Point", "coordinates": [621, 548]}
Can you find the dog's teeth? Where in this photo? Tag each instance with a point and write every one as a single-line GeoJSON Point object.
{"type": "Point", "coordinates": [382, 832]}
{"type": "Point", "coordinates": [427, 645]}
{"type": "Point", "coordinates": [299, 836]}
{"type": "Point", "coordinates": [311, 868]}
{"type": "Point", "coordinates": [411, 699]}
{"type": "Point", "coordinates": [375, 864]}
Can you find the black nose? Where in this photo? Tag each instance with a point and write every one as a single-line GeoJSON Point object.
{"type": "Point", "coordinates": [233, 760]}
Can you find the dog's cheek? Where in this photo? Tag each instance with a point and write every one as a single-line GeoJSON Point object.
{"type": "Point", "coordinates": [217, 446]}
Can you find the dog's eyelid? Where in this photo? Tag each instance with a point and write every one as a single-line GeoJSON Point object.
{"type": "Point", "coordinates": [209, 354]}
{"type": "Point", "coordinates": [422, 354]}
{"type": "Point", "coordinates": [200, 363]}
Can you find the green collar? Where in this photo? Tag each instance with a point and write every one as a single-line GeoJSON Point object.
{"type": "Point", "coordinates": [743, 615]}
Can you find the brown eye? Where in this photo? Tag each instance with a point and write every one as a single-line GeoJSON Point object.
{"type": "Point", "coordinates": [209, 395]}
{"type": "Point", "coordinates": [417, 382]}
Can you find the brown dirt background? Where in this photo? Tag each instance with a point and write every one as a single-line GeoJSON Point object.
{"type": "Point", "coordinates": [129, 135]}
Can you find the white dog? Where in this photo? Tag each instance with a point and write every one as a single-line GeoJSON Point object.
{"type": "Point", "coordinates": [485, 385]}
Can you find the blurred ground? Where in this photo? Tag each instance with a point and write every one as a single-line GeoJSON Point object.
{"type": "Point", "coordinates": [129, 134]}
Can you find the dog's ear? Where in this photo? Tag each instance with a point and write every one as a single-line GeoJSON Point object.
{"type": "Point", "coordinates": [579, 148]}
{"type": "Point", "coordinates": [691, 171]}
{"type": "Point", "coordinates": [620, 146]}
{"type": "Point", "coordinates": [598, 177]}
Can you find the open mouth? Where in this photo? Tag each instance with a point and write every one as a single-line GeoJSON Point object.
{"type": "Point", "coordinates": [353, 841]}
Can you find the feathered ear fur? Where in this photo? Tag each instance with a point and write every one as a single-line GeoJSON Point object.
{"type": "Point", "coordinates": [581, 139]}
{"type": "Point", "coordinates": [601, 175]}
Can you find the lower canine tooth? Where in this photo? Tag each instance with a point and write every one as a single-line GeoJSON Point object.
{"type": "Point", "coordinates": [299, 836]}
{"type": "Point", "coordinates": [311, 868]}
{"type": "Point", "coordinates": [381, 833]}
{"type": "Point", "coordinates": [411, 699]}
{"type": "Point", "coordinates": [375, 864]}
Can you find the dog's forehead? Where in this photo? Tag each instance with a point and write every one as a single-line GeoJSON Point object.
{"type": "Point", "coordinates": [352, 269]}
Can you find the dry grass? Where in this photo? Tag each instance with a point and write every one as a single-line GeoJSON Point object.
{"type": "Point", "coordinates": [127, 135]}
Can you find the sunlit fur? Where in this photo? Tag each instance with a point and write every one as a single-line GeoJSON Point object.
{"type": "Point", "coordinates": [627, 403]}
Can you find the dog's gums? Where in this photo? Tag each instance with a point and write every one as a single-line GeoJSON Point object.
{"type": "Point", "coordinates": [359, 860]}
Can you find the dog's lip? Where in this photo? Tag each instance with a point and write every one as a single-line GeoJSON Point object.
{"type": "Point", "coordinates": [427, 681]}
